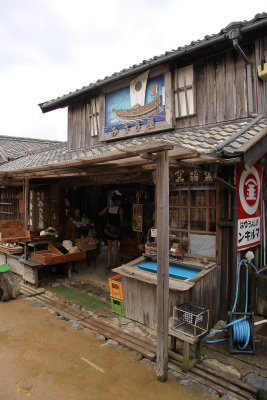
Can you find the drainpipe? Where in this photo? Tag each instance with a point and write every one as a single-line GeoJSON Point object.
{"type": "Point", "coordinates": [221, 145]}
{"type": "Point", "coordinates": [235, 35]}
{"type": "Point", "coordinates": [232, 189]}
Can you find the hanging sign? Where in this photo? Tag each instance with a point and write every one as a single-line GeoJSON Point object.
{"type": "Point", "coordinates": [249, 186]}
{"type": "Point", "coordinates": [139, 107]}
{"type": "Point", "coordinates": [137, 217]}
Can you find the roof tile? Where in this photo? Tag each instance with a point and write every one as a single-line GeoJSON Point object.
{"type": "Point", "coordinates": [193, 138]}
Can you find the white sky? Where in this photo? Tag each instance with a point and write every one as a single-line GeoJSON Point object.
{"type": "Point", "coordinates": [49, 48]}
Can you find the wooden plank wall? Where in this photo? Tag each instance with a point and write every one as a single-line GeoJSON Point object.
{"type": "Point", "coordinates": [261, 87]}
{"type": "Point", "coordinates": [204, 293]}
{"type": "Point", "coordinates": [140, 301]}
{"type": "Point", "coordinates": [9, 204]}
{"type": "Point", "coordinates": [83, 124]}
{"type": "Point", "coordinates": [220, 85]}
{"type": "Point", "coordinates": [221, 89]}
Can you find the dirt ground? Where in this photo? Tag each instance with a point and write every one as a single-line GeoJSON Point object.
{"type": "Point", "coordinates": [45, 358]}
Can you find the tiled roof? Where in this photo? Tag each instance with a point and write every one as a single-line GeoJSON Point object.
{"type": "Point", "coordinates": [209, 40]}
{"type": "Point", "coordinates": [15, 147]}
{"type": "Point", "coordinates": [204, 140]}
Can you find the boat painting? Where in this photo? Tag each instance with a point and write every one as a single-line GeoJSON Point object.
{"type": "Point", "coordinates": [143, 99]}
{"type": "Point", "coordinates": [139, 111]}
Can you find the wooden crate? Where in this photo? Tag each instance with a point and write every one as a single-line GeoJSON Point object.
{"type": "Point", "coordinates": [12, 231]}
{"type": "Point", "coordinates": [116, 287]}
{"type": "Point", "coordinates": [54, 256]}
{"type": "Point", "coordinates": [11, 250]}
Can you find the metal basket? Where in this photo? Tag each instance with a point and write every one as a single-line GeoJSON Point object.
{"type": "Point", "coordinates": [190, 319]}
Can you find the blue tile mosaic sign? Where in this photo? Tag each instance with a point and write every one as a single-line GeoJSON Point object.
{"type": "Point", "coordinates": [136, 107]}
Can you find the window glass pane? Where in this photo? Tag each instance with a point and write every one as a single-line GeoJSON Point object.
{"type": "Point", "coordinates": [182, 104]}
{"type": "Point", "coordinates": [198, 219]}
{"type": "Point", "coordinates": [173, 199]}
{"type": "Point", "coordinates": [198, 196]}
{"type": "Point", "coordinates": [183, 196]}
{"type": "Point", "coordinates": [184, 218]}
{"type": "Point", "coordinates": [190, 100]}
{"type": "Point", "coordinates": [174, 218]}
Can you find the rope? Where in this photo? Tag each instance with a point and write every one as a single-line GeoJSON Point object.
{"type": "Point", "coordinates": [241, 327]}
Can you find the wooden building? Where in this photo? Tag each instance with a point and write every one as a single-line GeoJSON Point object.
{"type": "Point", "coordinates": [191, 124]}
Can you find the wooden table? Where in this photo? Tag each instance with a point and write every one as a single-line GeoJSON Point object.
{"type": "Point", "coordinates": [188, 341]}
{"type": "Point", "coordinates": [35, 244]}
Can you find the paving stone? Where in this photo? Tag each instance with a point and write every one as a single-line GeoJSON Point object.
{"type": "Point", "coordinates": [190, 383]}
{"type": "Point", "coordinates": [109, 343]}
{"type": "Point", "coordinates": [218, 366]}
{"type": "Point", "coordinates": [60, 317]}
{"type": "Point", "coordinates": [36, 304]}
{"type": "Point", "coordinates": [76, 325]}
{"type": "Point", "coordinates": [262, 394]}
{"type": "Point", "coordinates": [256, 381]}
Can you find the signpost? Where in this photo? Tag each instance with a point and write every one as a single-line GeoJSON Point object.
{"type": "Point", "coordinates": [249, 186]}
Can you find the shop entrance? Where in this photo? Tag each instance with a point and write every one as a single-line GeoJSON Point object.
{"type": "Point", "coordinates": [82, 205]}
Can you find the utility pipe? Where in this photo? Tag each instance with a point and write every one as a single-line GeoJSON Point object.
{"type": "Point", "coordinates": [221, 145]}
{"type": "Point", "coordinates": [249, 75]}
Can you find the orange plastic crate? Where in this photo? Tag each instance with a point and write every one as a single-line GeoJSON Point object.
{"type": "Point", "coordinates": [116, 287]}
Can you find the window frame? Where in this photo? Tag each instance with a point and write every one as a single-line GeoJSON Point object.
{"type": "Point", "coordinates": [185, 74]}
{"type": "Point", "coordinates": [188, 207]}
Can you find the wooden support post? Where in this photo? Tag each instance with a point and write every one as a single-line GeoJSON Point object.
{"type": "Point", "coordinates": [26, 202]}
{"type": "Point", "coordinates": [162, 265]}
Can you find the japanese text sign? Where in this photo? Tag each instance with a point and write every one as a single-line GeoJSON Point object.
{"type": "Point", "coordinates": [249, 186]}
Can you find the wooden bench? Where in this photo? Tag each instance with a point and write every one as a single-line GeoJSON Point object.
{"type": "Point", "coordinates": [188, 341]}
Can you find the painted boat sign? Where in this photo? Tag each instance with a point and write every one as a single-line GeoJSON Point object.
{"type": "Point", "coordinates": [142, 106]}
{"type": "Point", "coordinates": [249, 186]}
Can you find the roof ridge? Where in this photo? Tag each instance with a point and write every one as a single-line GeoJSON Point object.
{"type": "Point", "coordinates": [135, 68]}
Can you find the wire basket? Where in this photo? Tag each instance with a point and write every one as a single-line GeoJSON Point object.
{"type": "Point", "coordinates": [190, 319]}
{"type": "Point", "coordinates": [150, 247]}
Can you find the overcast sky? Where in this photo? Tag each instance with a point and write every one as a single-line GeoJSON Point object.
{"type": "Point", "coordinates": [52, 47]}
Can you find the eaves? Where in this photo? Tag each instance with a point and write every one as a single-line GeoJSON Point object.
{"type": "Point", "coordinates": [209, 45]}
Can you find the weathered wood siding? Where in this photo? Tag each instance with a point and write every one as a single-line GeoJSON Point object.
{"type": "Point", "coordinates": [140, 301]}
{"type": "Point", "coordinates": [260, 86]}
{"type": "Point", "coordinates": [205, 292]}
{"type": "Point", "coordinates": [83, 124]}
{"type": "Point", "coordinates": [221, 90]}
{"type": "Point", "coordinates": [140, 298]}
{"type": "Point", "coordinates": [9, 203]}
{"type": "Point", "coordinates": [220, 94]}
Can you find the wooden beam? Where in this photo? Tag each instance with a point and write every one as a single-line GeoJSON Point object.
{"type": "Point", "coordinates": [100, 158]}
{"type": "Point", "coordinates": [162, 265]}
{"type": "Point", "coordinates": [148, 156]}
{"type": "Point", "coordinates": [182, 155]}
{"type": "Point", "coordinates": [26, 202]}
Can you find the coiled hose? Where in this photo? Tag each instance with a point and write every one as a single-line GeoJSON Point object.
{"type": "Point", "coordinates": [241, 326]}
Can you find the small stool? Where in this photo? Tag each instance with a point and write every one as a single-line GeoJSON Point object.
{"type": "Point", "coordinates": [187, 340]}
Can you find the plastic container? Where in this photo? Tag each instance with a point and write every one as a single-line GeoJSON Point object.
{"type": "Point", "coordinates": [117, 306]}
{"type": "Point", "coordinates": [116, 287]}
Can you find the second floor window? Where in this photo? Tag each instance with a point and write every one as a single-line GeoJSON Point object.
{"type": "Point", "coordinates": [184, 92]}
